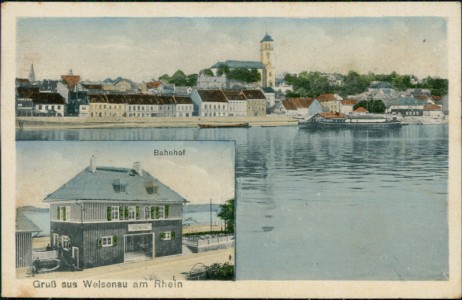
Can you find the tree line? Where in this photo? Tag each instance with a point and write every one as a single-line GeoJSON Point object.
{"type": "Point", "coordinates": [179, 78]}
{"type": "Point", "coordinates": [238, 74]}
{"type": "Point", "coordinates": [313, 84]}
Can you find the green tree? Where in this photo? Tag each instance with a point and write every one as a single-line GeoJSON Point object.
{"type": "Point", "coordinates": [401, 82]}
{"type": "Point", "coordinates": [165, 77]}
{"type": "Point", "coordinates": [223, 69]}
{"type": "Point", "coordinates": [191, 80]}
{"type": "Point", "coordinates": [355, 83]}
{"type": "Point", "coordinates": [437, 86]}
{"type": "Point", "coordinates": [218, 271]}
{"type": "Point", "coordinates": [206, 72]}
{"type": "Point", "coordinates": [373, 106]}
{"type": "Point", "coordinates": [292, 94]}
{"type": "Point", "coordinates": [178, 78]}
{"type": "Point", "coordinates": [226, 213]}
{"type": "Point", "coordinates": [244, 75]}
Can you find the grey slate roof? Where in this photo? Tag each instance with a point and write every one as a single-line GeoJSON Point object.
{"type": "Point", "coordinates": [234, 64]}
{"type": "Point", "coordinates": [87, 186]}
{"type": "Point", "coordinates": [405, 101]}
{"type": "Point", "coordinates": [23, 224]}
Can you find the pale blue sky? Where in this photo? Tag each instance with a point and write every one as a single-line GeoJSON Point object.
{"type": "Point", "coordinates": [145, 48]}
{"type": "Point", "coordinates": [206, 172]}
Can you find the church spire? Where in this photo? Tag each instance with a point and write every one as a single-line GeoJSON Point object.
{"type": "Point", "coordinates": [32, 73]}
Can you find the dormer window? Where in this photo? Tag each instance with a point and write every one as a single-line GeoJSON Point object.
{"type": "Point", "coordinates": [151, 188]}
{"type": "Point", "coordinates": [119, 186]}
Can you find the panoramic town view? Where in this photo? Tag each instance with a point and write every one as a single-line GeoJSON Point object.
{"type": "Point", "coordinates": [256, 91]}
{"type": "Point", "coordinates": [340, 127]}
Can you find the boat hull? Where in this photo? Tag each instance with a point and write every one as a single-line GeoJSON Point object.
{"type": "Point", "coordinates": [364, 125]}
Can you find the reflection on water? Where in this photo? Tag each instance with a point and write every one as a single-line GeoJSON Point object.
{"type": "Point", "coordinates": [340, 204]}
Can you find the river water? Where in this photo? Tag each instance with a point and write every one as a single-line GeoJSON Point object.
{"type": "Point", "coordinates": [327, 205]}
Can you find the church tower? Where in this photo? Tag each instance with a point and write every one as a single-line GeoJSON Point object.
{"type": "Point", "coordinates": [32, 74]}
{"type": "Point", "coordinates": [266, 58]}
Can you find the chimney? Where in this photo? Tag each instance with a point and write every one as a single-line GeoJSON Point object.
{"type": "Point", "coordinates": [93, 164]}
{"type": "Point", "coordinates": [137, 168]}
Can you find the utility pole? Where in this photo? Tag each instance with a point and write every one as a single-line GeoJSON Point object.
{"type": "Point", "coordinates": [210, 214]}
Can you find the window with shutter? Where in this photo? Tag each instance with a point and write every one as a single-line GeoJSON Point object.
{"type": "Point", "coordinates": [100, 243]}
{"type": "Point", "coordinates": [166, 210]}
{"type": "Point", "coordinates": [59, 213]}
{"type": "Point", "coordinates": [109, 214]}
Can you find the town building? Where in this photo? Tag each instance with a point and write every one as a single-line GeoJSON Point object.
{"type": "Point", "coordinates": [406, 106]}
{"type": "Point", "coordinates": [184, 106]}
{"type": "Point", "coordinates": [167, 106]}
{"type": "Point", "coordinates": [154, 87]}
{"type": "Point", "coordinates": [433, 111]}
{"type": "Point", "coordinates": [24, 103]}
{"type": "Point", "coordinates": [256, 103]}
{"type": "Point", "coordinates": [24, 230]}
{"type": "Point", "coordinates": [105, 105]}
{"type": "Point", "coordinates": [183, 90]}
{"type": "Point", "coordinates": [346, 106]}
{"type": "Point", "coordinates": [121, 85]}
{"type": "Point", "coordinates": [270, 96]}
{"type": "Point", "coordinates": [237, 103]}
{"type": "Point", "coordinates": [212, 82]}
{"type": "Point", "coordinates": [330, 102]}
{"type": "Point", "coordinates": [289, 108]}
{"type": "Point", "coordinates": [48, 86]}
{"type": "Point", "coordinates": [139, 105]}
{"type": "Point", "coordinates": [210, 103]}
{"type": "Point", "coordinates": [301, 108]}
{"type": "Point", "coordinates": [109, 215]}
{"type": "Point", "coordinates": [48, 104]}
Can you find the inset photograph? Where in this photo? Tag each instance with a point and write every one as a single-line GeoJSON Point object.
{"type": "Point", "coordinates": [161, 211]}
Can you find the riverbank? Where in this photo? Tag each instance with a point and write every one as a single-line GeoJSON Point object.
{"type": "Point", "coordinates": [31, 123]}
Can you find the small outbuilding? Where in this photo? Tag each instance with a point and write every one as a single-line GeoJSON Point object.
{"type": "Point", "coordinates": [24, 230]}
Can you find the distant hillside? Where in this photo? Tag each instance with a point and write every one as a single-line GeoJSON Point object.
{"type": "Point", "coordinates": [30, 208]}
{"type": "Point", "coordinates": [192, 208]}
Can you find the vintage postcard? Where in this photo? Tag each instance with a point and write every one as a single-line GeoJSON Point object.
{"type": "Point", "coordinates": [306, 150]}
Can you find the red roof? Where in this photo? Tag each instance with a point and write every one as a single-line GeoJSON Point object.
{"type": "Point", "coordinates": [289, 105]}
{"type": "Point", "coordinates": [422, 97]}
{"type": "Point", "coordinates": [326, 97]}
{"type": "Point", "coordinates": [432, 107]}
{"type": "Point", "coordinates": [153, 84]}
{"type": "Point", "coordinates": [70, 80]}
{"type": "Point", "coordinates": [348, 102]}
{"type": "Point", "coordinates": [361, 109]}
